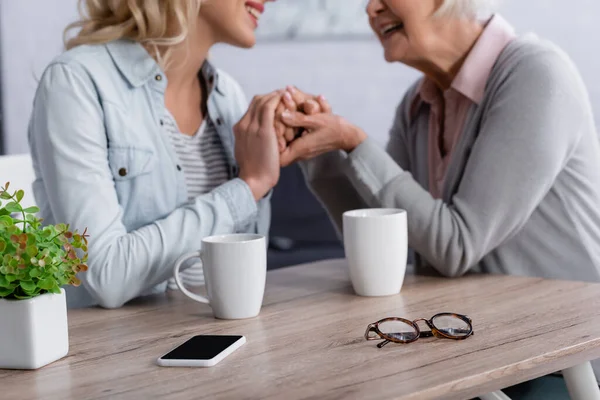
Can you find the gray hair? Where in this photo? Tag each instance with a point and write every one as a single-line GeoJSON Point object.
{"type": "Point", "coordinates": [466, 8]}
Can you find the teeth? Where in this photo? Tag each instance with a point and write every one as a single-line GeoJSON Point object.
{"type": "Point", "coordinates": [254, 12]}
{"type": "Point", "coordinates": [390, 27]}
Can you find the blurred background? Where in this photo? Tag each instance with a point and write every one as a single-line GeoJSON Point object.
{"type": "Point", "coordinates": [321, 46]}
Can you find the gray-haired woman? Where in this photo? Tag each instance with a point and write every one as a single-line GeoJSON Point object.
{"type": "Point", "coordinates": [493, 152]}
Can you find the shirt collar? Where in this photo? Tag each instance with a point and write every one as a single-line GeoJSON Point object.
{"type": "Point", "coordinates": [473, 75]}
{"type": "Point", "coordinates": [138, 67]}
{"type": "Point", "coordinates": [475, 71]}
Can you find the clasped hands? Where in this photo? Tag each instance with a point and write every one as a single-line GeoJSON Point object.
{"type": "Point", "coordinates": [283, 127]}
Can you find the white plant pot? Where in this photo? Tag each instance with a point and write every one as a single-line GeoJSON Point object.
{"type": "Point", "coordinates": [33, 332]}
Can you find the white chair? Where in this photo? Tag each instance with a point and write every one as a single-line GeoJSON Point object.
{"type": "Point", "coordinates": [18, 170]}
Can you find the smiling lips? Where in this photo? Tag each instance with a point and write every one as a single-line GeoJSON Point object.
{"type": "Point", "coordinates": [255, 10]}
{"type": "Point", "coordinates": [388, 28]}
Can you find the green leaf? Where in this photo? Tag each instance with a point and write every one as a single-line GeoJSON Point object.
{"type": "Point", "coordinates": [4, 195]}
{"type": "Point", "coordinates": [31, 210]}
{"type": "Point", "coordinates": [6, 220]}
{"type": "Point", "coordinates": [2, 245]}
{"type": "Point", "coordinates": [20, 194]}
{"type": "Point", "coordinates": [33, 293]}
{"type": "Point", "coordinates": [4, 292]}
{"type": "Point", "coordinates": [19, 297]}
{"type": "Point", "coordinates": [47, 283]}
{"type": "Point", "coordinates": [10, 277]}
{"type": "Point", "coordinates": [4, 283]}
{"type": "Point", "coordinates": [32, 250]}
{"type": "Point", "coordinates": [28, 286]}
{"type": "Point", "coordinates": [34, 272]}
{"type": "Point", "coordinates": [13, 207]}
{"type": "Point", "coordinates": [55, 289]}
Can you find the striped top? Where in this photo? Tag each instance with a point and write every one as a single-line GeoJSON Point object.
{"type": "Point", "coordinates": [204, 163]}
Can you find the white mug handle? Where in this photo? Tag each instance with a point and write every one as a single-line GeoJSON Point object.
{"type": "Point", "coordinates": [178, 264]}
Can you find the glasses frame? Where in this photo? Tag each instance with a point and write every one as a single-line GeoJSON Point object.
{"type": "Point", "coordinates": [374, 328]}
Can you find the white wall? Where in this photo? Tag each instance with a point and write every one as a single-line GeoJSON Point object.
{"type": "Point", "coordinates": [351, 74]}
{"type": "Point", "coordinates": [30, 36]}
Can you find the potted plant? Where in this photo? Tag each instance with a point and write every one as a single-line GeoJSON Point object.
{"type": "Point", "coordinates": [36, 261]}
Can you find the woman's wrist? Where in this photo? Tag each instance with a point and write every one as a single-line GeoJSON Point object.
{"type": "Point", "coordinates": [353, 139]}
{"type": "Point", "coordinates": [258, 190]}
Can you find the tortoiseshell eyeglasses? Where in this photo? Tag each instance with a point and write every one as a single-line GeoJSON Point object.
{"type": "Point", "coordinates": [400, 330]}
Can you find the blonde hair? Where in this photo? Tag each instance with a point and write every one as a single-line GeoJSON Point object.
{"type": "Point", "coordinates": [153, 23]}
{"type": "Point", "coordinates": [466, 8]}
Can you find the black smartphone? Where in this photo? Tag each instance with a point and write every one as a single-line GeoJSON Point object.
{"type": "Point", "coordinates": [202, 351]}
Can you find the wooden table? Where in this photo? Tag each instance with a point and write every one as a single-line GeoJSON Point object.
{"type": "Point", "coordinates": [308, 342]}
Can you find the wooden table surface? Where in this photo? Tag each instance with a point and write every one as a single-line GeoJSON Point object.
{"type": "Point", "coordinates": [308, 342]}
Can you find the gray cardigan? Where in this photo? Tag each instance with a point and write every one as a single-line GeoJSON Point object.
{"type": "Point", "coordinates": [522, 193]}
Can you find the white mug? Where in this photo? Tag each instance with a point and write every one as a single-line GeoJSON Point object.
{"type": "Point", "coordinates": [235, 271]}
{"type": "Point", "coordinates": [376, 247]}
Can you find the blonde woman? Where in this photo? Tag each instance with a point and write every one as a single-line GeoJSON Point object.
{"type": "Point", "coordinates": [132, 136]}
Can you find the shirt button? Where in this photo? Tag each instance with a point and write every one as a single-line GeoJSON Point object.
{"type": "Point", "coordinates": [158, 77]}
{"type": "Point", "coordinates": [219, 121]}
{"type": "Point", "coordinates": [178, 167]}
{"type": "Point", "coordinates": [122, 171]}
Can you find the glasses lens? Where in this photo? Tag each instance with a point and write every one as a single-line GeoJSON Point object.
{"type": "Point", "coordinates": [451, 325]}
{"type": "Point", "coordinates": [398, 330]}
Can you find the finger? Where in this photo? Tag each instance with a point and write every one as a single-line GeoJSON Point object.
{"type": "Point", "coordinates": [266, 99]}
{"type": "Point", "coordinates": [311, 107]}
{"type": "Point", "coordinates": [285, 158]}
{"type": "Point", "coordinates": [324, 104]}
{"type": "Point", "coordinates": [254, 112]}
{"type": "Point", "coordinates": [282, 144]}
{"type": "Point", "coordinates": [245, 122]}
{"type": "Point", "coordinates": [299, 149]}
{"type": "Point", "coordinates": [289, 102]}
{"type": "Point", "coordinates": [279, 125]}
{"type": "Point", "coordinates": [280, 128]}
{"type": "Point", "coordinates": [284, 134]}
{"type": "Point", "coordinates": [290, 134]}
{"type": "Point", "coordinates": [299, 120]}
{"type": "Point", "coordinates": [267, 110]}
{"type": "Point", "coordinates": [297, 95]}
{"type": "Point", "coordinates": [254, 103]}
{"type": "Point", "coordinates": [260, 103]}
{"type": "Point", "coordinates": [254, 107]}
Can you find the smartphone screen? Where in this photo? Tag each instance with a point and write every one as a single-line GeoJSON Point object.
{"type": "Point", "coordinates": [201, 348]}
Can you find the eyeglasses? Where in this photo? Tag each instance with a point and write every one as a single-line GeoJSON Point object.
{"type": "Point", "coordinates": [400, 330]}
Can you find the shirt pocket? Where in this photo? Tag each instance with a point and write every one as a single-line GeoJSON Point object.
{"type": "Point", "coordinates": [132, 170]}
{"type": "Point", "coordinates": [128, 163]}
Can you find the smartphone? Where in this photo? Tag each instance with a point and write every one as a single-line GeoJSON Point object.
{"type": "Point", "coordinates": [202, 351]}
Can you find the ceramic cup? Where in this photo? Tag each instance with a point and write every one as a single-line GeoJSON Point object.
{"type": "Point", "coordinates": [376, 247]}
{"type": "Point", "coordinates": [235, 270]}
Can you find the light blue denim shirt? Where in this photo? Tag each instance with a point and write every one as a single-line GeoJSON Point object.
{"type": "Point", "coordinates": [103, 161]}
